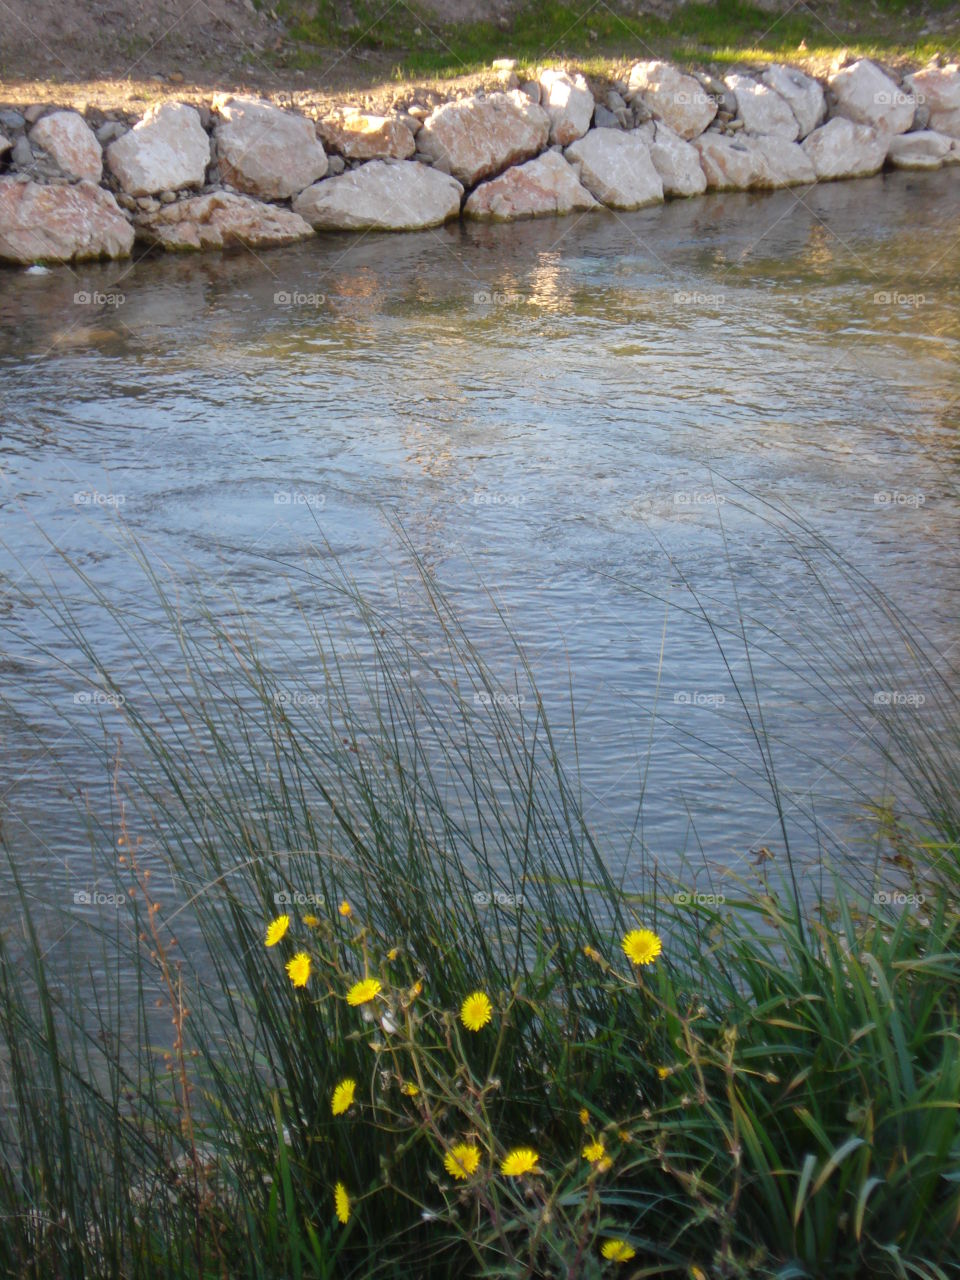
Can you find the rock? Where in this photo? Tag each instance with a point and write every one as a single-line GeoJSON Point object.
{"type": "Point", "coordinates": [677, 162]}
{"type": "Point", "coordinates": [921, 118]}
{"type": "Point", "coordinates": [678, 100]}
{"type": "Point", "coordinates": [802, 92]}
{"type": "Point", "coordinates": [946, 122]}
{"type": "Point", "coordinates": [10, 119]}
{"type": "Point", "coordinates": [614, 101]}
{"type": "Point", "coordinates": [167, 197]}
{"type": "Point", "coordinates": [221, 221]}
{"type": "Point", "coordinates": [109, 131]}
{"type": "Point", "coordinates": [380, 196]}
{"type": "Point", "coordinates": [148, 204]}
{"type": "Point", "coordinates": [543, 186]}
{"type": "Point", "coordinates": [922, 150]}
{"type": "Point", "coordinates": [785, 163]}
{"type": "Point", "coordinates": [264, 151]}
{"type": "Point", "coordinates": [605, 119]}
{"type": "Point", "coordinates": [504, 64]}
{"type": "Point", "coordinates": [359, 136]}
{"type": "Point", "coordinates": [67, 223]}
{"type": "Point", "coordinates": [730, 164]}
{"type": "Point", "coordinates": [335, 165]}
{"type": "Point", "coordinates": [762, 109]}
{"type": "Point", "coordinates": [165, 151]}
{"type": "Point", "coordinates": [616, 168]}
{"type": "Point", "coordinates": [33, 113]}
{"type": "Point", "coordinates": [867, 96]}
{"type": "Point", "coordinates": [5, 145]}
{"type": "Point", "coordinates": [531, 90]}
{"type": "Point", "coordinates": [568, 102]}
{"type": "Point", "coordinates": [725, 98]}
{"type": "Point", "coordinates": [478, 137]}
{"type": "Point", "coordinates": [842, 149]}
{"type": "Point", "coordinates": [409, 122]}
{"type": "Point", "coordinates": [70, 142]}
{"type": "Point", "coordinates": [22, 155]}
{"type": "Point", "coordinates": [937, 89]}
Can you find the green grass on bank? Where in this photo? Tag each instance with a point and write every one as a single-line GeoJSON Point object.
{"type": "Point", "coordinates": [599, 34]}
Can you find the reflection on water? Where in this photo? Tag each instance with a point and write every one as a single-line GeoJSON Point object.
{"type": "Point", "coordinates": [590, 445]}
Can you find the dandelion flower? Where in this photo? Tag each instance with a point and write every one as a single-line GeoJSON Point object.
{"type": "Point", "coordinates": [617, 1251]}
{"type": "Point", "coordinates": [593, 954]}
{"type": "Point", "coordinates": [363, 992]}
{"type": "Point", "coordinates": [476, 1011]}
{"type": "Point", "coordinates": [298, 969]}
{"type": "Point", "coordinates": [393, 953]}
{"type": "Point", "coordinates": [519, 1161]}
{"type": "Point", "coordinates": [275, 930]}
{"type": "Point", "coordinates": [410, 1089]}
{"type": "Point", "coordinates": [584, 1116]}
{"type": "Point", "coordinates": [312, 922]}
{"type": "Point", "coordinates": [462, 1160]}
{"type": "Point", "coordinates": [641, 946]}
{"type": "Point", "coordinates": [663, 1072]}
{"type": "Point", "coordinates": [345, 908]}
{"type": "Point", "coordinates": [594, 1152]}
{"type": "Point", "coordinates": [341, 1201]}
{"type": "Point", "coordinates": [343, 1096]}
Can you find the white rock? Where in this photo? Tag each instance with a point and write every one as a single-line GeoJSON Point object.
{"type": "Point", "coordinates": [785, 163]}
{"type": "Point", "coordinates": [804, 94]}
{"type": "Point", "coordinates": [678, 100]}
{"type": "Point", "coordinates": [381, 196]}
{"type": "Point", "coordinates": [866, 95]}
{"type": "Point", "coordinates": [676, 161]}
{"type": "Point", "coordinates": [730, 164]}
{"type": "Point", "coordinates": [221, 220]}
{"type": "Point", "coordinates": [842, 149]}
{"type": "Point", "coordinates": [946, 122]}
{"type": "Point", "coordinates": [165, 151]}
{"type": "Point", "coordinates": [361, 136]}
{"type": "Point", "coordinates": [569, 104]}
{"type": "Point", "coordinates": [478, 137]}
{"type": "Point", "coordinates": [762, 109]}
{"type": "Point", "coordinates": [616, 168]}
{"type": "Point", "coordinates": [264, 151]}
{"type": "Point", "coordinates": [936, 87]}
{"type": "Point", "coordinates": [545, 185]}
{"type": "Point", "coordinates": [925, 149]}
{"type": "Point", "coordinates": [64, 223]}
{"type": "Point", "coordinates": [71, 143]}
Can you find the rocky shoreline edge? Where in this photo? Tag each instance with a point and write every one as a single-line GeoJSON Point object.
{"type": "Point", "coordinates": [242, 172]}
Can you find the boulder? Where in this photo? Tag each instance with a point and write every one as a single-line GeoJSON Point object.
{"type": "Point", "coordinates": [680, 101]}
{"type": "Point", "coordinates": [221, 220]}
{"type": "Point", "coordinates": [842, 149]}
{"type": "Point", "coordinates": [785, 164]}
{"type": "Point", "coordinates": [165, 151]}
{"type": "Point", "coordinates": [802, 92]}
{"type": "Point", "coordinates": [677, 162]}
{"type": "Point", "coordinates": [64, 223]}
{"type": "Point", "coordinates": [731, 164]}
{"type": "Point", "coordinates": [937, 88]}
{"type": "Point", "coordinates": [568, 102]}
{"type": "Point", "coordinates": [867, 95]}
{"type": "Point", "coordinates": [925, 149]}
{"type": "Point", "coordinates": [360, 136]}
{"type": "Point", "coordinates": [263, 151]}
{"type": "Point", "coordinates": [5, 145]}
{"type": "Point", "coordinates": [479, 137]}
{"type": "Point", "coordinates": [542, 186]}
{"type": "Point", "coordinates": [381, 196]}
{"type": "Point", "coordinates": [762, 109]}
{"type": "Point", "coordinates": [616, 168]}
{"type": "Point", "coordinates": [70, 142]}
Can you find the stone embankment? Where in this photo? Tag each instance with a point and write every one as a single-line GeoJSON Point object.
{"type": "Point", "coordinates": [241, 172]}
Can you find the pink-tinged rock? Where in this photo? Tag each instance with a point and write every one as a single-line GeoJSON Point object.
{"type": "Point", "coordinates": [478, 137]}
{"type": "Point", "coordinates": [381, 196]}
{"type": "Point", "coordinates": [866, 95]}
{"type": "Point", "coordinates": [360, 136]}
{"type": "Point", "coordinates": [221, 220]}
{"type": "Point", "coordinates": [946, 122]}
{"type": "Point", "coordinates": [60, 223]}
{"type": "Point", "coordinates": [264, 151]}
{"type": "Point", "coordinates": [802, 92]}
{"type": "Point", "coordinates": [543, 186]}
{"type": "Point", "coordinates": [842, 149]}
{"type": "Point", "coordinates": [165, 151]}
{"type": "Point", "coordinates": [938, 89]}
{"type": "Point", "coordinates": [680, 101]}
{"type": "Point", "coordinates": [730, 164]}
{"type": "Point", "coordinates": [568, 102]}
{"type": "Point", "coordinates": [616, 168]}
{"type": "Point", "coordinates": [784, 163]}
{"type": "Point", "coordinates": [925, 149]}
{"type": "Point", "coordinates": [762, 109]}
{"type": "Point", "coordinates": [70, 142]}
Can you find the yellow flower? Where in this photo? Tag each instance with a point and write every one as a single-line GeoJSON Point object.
{"type": "Point", "coordinates": [341, 1200]}
{"type": "Point", "coordinates": [363, 992]}
{"type": "Point", "coordinates": [584, 1116]}
{"type": "Point", "coordinates": [594, 1152]}
{"type": "Point", "coordinates": [416, 990]}
{"type": "Point", "coordinates": [311, 922]}
{"type": "Point", "coordinates": [617, 1251]}
{"type": "Point", "coordinates": [345, 908]}
{"type": "Point", "coordinates": [593, 954]}
{"type": "Point", "coordinates": [461, 1160]}
{"type": "Point", "coordinates": [642, 946]}
{"type": "Point", "coordinates": [476, 1011]}
{"type": "Point", "coordinates": [343, 1096]}
{"type": "Point", "coordinates": [519, 1161]}
{"type": "Point", "coordinates": [298, 969]}
{"type": "Point", "coordinates": [275, 930]}
{"type": "Point", "coordinates": [663, 1072]}
{"type": "Point", "coordinates": [393, 953]}
{"type": "Point", "coordinates": [410, 1089]}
